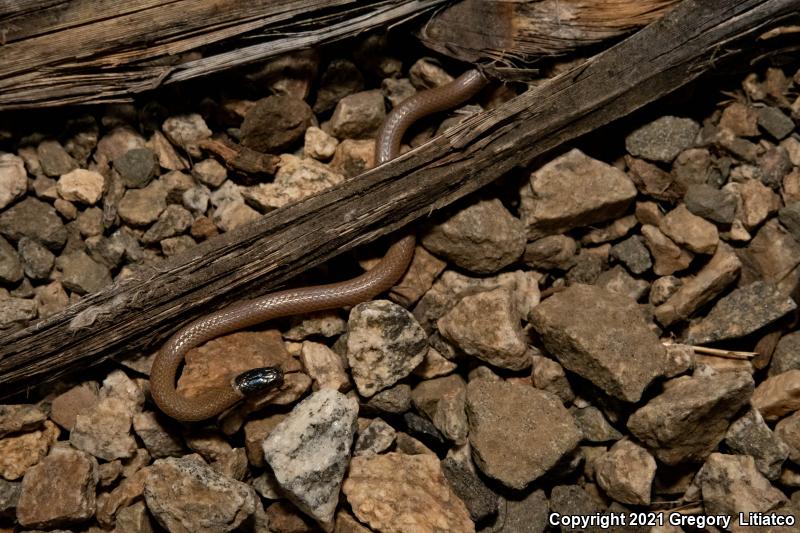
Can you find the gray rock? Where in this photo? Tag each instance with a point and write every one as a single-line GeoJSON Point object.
{"type": "Point", "coordinates": [528, 514]}
{"type": "Point", "coordinates": [54, 160]}
{"type": "Point", "coordinates": [395, 400]}
{"type": "Point", "coordinates": [15, 418]}
{"type": "Point", "coordinates": [310, 449]}
{"type": "Point", "coordinates": [775, 122]}
{"type": "Point", "coordinates": [136, 167]}
{"type": "Point", "coordinates": [10, 265]}
{"type": "Point", "coordinates": [16, 311]}
{"type": "Point", "coordinates": [358, 116]}
{"type": "Point", "coordinates": [160, 435]}
{"type": "Point", "coordinates": [774, 165]}
{"type": "Point", "coordinates": [588, 267]}
{"type": "Point", "coordinates": [140, 207]}
{"type": "Point", "coordinates": [481, 502]}
{"type": "Point", "coordinates": [503, 415]}
{"type": "Point", "coordinates": [688, 420]}
{"type": "Point", "coordinates": [594, 426]}
{"type": "Point", "coordinates": [37, 261]}
{"type": "Point", "coordinates": [34, 219]}
{"type": "Point", "coordinates": [568, 500]}
{"type": "Point", "coordinates": [13, 179]}
{"type": "Point", "coordinates": [552, 252]}
{"type": "Point", "coordinates": [81, 274]}
{"type": "Point", "coordinates": [750, 435]}
{"type": "Point", "coordinates": [173, 221]}
{"type": "Point", "coordinates": [601, 336]}
{"type": "Point", "coordinates": [711, 203]}
{"type": "Point", "coordinates": [384, 344]}
{"type": "Point", "coordinates": [9, 495]}
{"type": "Point", "coordinates": [186, 496]}
{"type": "Point", "coordinates": [482, 238]}
{"type": "Point", "coordinates": [196, 199]}
{"type": "Point", "coordinates": [743, 311]}
{"type": "Point", "coordinates": [663, 139]}
{"type": "Point", "coordinates": [376, 438]}
{"type": "Point", "coordinates": [790, 218]}
{"type": "Point", "coordinates": [633, 254]}
{"type": "Point", "coordinates": [276, 123]}
{"type": "Point", "coordinates": [573, 191]}
{"type": "Point", "coordinates": [786, 355]}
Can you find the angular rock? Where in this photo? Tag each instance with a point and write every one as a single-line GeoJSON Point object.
{"type": "Point", "coordinates": [275, 123]}
{"type": "Point", "coordinates": [479, 499]}
{"type": "Point", "coordinates": [663, 139]}
{"type": "Point", "coordinates": [159, 435]}
{"type": "Point", "coordinates": [59, 491]}
{"type": "Point", "coordinates": [82, 274]}
{"type": "Point", "coordinates": [528, 514]}
{"type": "Point", "coordinates": [743, 311]}
{"type": "Point", "coordinates": [13, 179]}
{"type": "Point", "coordinates": [352, 157]}
{"type": "Point", "coordinates": [790, 218]}
{"type": "Point", "coordinates": [84, 186]}
{"type": "Point", "coordinates": [231, 215]}
{"type": "Point", "coordinates": [66, 406]}
{"type": "Point", "coordinates": [324, 366]}
{"type": "Point", "coordinates": [750, 435]}
{"type": "Point", "coordinates": [443, 400]}
{"type": "Point", "coordinates": [104, 430]}
{"type": "Point", "coordinates": [186, 131]}
{"type": "Point", "coordinates": [757, 202]}
{"type": "Point", "coordinates": [740, 119]}
{"type": "Point", "coordinates": [788, 432]}
{"type": "Point", "coordinates": [21, 451]}
{"type": "Point", "coordinates": [140, 207]}
{"type": "Point", "coordinates": [37, 261]}
{"type": "Point", "coordinates": [685, 229]}
{"type": "Point", "coordinates": [395, 399]}
{"type": "Point", "coordinates": [549, 376]}
{"type": "Point", "coordinates": [503, 415]}
{"type": "Point", "coordinates": [54, 160]}
{"type": "Point", "coordinates": [255, 431]}
{"type": "Point", "coordinates": [10, 265]}
{"type": "Point", "coordinates": [786, 355]}
{"type": "Point", "coordinates": [384, 344]}
{"type": "Point", "coordinates": [186, 495]}
{"type": "Point", "coordinates": [485, 325]}
{"type": "Point", "coordinates": [341, 78]}
{"type": "Point", "coordinates": [319, 145]}
{"type": "Point", "coordinates": [482, 238]}
{"type": "Point", "coordinates": [136, 167]}
{"type": "Point", "coordinates": [553, 252]}
{"type": "Point", "coordinates": [309, 450]}
{"type": "Point", "coordinates": [397, 493]}
{"type": "Point", "coordinates": [582, 326]}
{"type": "Point", "coordinates": [358, 116]}
{"type": "Point", "coordinates": [668, 256]}
{"type": "Point", "coordinates": [573, 191]}
{"type": "Point", "coordinates": [773, 121]}
{"type": "Point", "coordinates": [20, 417]}
{"type": "Point", "coordinates": [376, 438]}
{"type": "Point", "coordinates": [654, 182]}
{"type": "Point", "coordinates": [778, 395]}
{"type": "Point", "coordinates": [626, 473]}
{"type": "Point", "coordinates": [295, 179]}
{"type": "Point", "coordinates": [173, 221]}
{"type": "Point", "coordinates": [688, 420]}
{"type": "Point", "coordinates": [36, 220]}
{"type": "Point", "coordinates": [618, 280]}
{"type": "Point", "coordinates": [16, 311]}
{"type": "Point", "coordinates": [594, 426]}
{"type": "Point", "coordinates": [711, 203]}
{"type": "Point", "coordinates": [633, 254]}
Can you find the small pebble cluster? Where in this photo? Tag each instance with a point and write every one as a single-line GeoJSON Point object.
{"type": "Point", "coordinates": [599, 337]}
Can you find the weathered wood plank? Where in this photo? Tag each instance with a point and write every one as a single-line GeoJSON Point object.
{"type": "Point", "coordinates": [138, 313]}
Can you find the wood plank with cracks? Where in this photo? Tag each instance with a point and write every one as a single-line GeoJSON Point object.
{"type": "Point", "coordinates": [138, 313]}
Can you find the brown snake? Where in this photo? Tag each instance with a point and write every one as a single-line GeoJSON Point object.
{"type": "Point", "coordinates": [303, 300]}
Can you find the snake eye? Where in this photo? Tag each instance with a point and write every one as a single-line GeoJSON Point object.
{"type": "Point", "coordinates": [258, 380]}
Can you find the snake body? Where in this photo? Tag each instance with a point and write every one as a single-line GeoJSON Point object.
{"type": "Point", "coordinates": [302, 300]}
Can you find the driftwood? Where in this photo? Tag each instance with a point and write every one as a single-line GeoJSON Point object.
{"type": "Point", "coordinates": [91, 51]}
{"type": "Point", "coordinates": [138, 313]}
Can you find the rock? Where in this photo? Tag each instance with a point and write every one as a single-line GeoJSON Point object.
{"type": "Point", "coordinates": [669, 257]}
{"type": "Point", "coordinates": [731, 484]}
{"type": "Point", "coordinates": [774, 165]}
{"type": "Point", "coordinates": [573, 191]}
{"type": "Point", "coordinates": [16, 311]}
{"type": "Point", "coordinates": [255, 431]}
{"type": "Point", "coordinates": [664, 287]}
{"type": "Point", "coordinates": [772, 256]}
{"type": "Point", "coordinates": [13, 179]}
{"type": "Point", "coordinates": [116, 143]}
{"type": "Point", "coordinates": [165, 153]}
{"type": "Point", "coordinates": [210, 172]}
{"type": "Point", "coordinates": [688, 420]}
{"type": "Point", "coordinates": [140, 207]}
{"type": "Point", "coordinates": [54, 160]}
{"type": "Point", "coordinates": [324, 366]}
{"type": "Point", "coordinates": [750, 435]}
{"type": "Point", "coordinates": [479, 499]}
{"type": "Point", "coordinates": [482, 238]}
{"type": "Point", "coordinates": [203, 228]}
{"type": "Point", "coordinates": [20, 418]}
{"type": "Point", "coordinates": [136, 167]}
{"type": "Point", "coordinates": [740, 119]}
{"type": "Point", "coordinates": [323, 323]}
{"type": "Point", "coordinates": [553, 252]}
{"type": "Point", "coordinates": [423, 429]}
{"type": "Point", "coordinates": [397, 90]}
{"type": "Point", "coordinates": [524, 514]}
{"type": "Point", "coordinates": [308, 452]}
{"type": "Point", "coordinates": [375, 438]}
{"type": "Point", "coordinates": [443, 400]}
{"type": "Point", "coordinates": [418, 279]}
{"type": "Point", "coordinates": [358, 116]}
{"type": "Point", "coordinates": [231, 215]}
{"type": "Point", "coordinates": [37, 261]}
{"type": "Point", "coordinates": [695, 292]}
{"type": "Point", "coordinates": [663, 139]}
{"type": "Point", "coordinates": [89, 223]}
{"type": "Point", "coordinates": [276, 123]}
{"type": "Point", "coordinates": [186, 495]}
{"type": "Point", "coordinates": [59, 491]}
{"type": "Point", "coordinates": [295, 179]}
{"type": "Point", "coordinates": [21, 451]}
{"type": "Point", "coordinates": [81, 274]}
{"type": "Point", "coordinates": [10, 265]}
{"type": "Point", "coordinates": [568, 500]}
{"type": "Point", "coordinates": [394, 400]}
{"type": "Point", "coordinates": [384, 344]}
{"type": "Point", "coordinates": [778, 395]}
{"type": "Point", "coordinates": [159, 435]}
{"type": "Point", "coordinates": [786, 355]}
{"type": "Point", "coordinates": [9, 496]}
{"type": "Point", "coordinates": [341, 78]}
{"type": "Point", "coordinates": [711, 203]}
{"type": "Point", "coordinates": [84, 186]}
{"type": "Point", "coordinates": [594, 426]}
{"type": "Point", "coordinates": [196, 199]}
{"type": "Point", "coordinates": [502, 415]}
{"type": "Point", "coordinates": [589, 264]}
{"type": "Point", "coordinates": [788, 432]}
{"type": "Point", "coordinates": [173, 221]}
{"type": "Point", "coordinates": [283, 517]}
{"type": "Point", "coordinates": [396, 492]}
{"type": "Point", "coordinates": [611, 231]}
{"type": "Point", "coordinates": [318, 144]}
{"type": "Point", "coordinates": [790, 218]}
{"type": "Point", "coordinates": [549, 376]}
{"type": "Point", "coordinates": [743, 311]}
{"type": "Point", "coordinates": [633, 254]}
{"type": "Point", "coordinates": [66, 406]}
{"type": "Point", "coordinates": [690, 231]}
{"type": "Point", "coordinates": [36, 220]}
{"type": "Point", "coordinates": [773, 121]}
{"type": "Point", "coordinates": [654, 182]}
{"type": "Point", "coordinates": [104, 430]}
{"type": "Point", "coordinates": [186, 131]}
{"type": "Point", "coordinates": [581, 326]}
{"type": "Point", "coordinates": [758, 203]}
{"type": "Point", "coordinates": [618, 280]}
{"type": "Point", "coordinates": [486, 325]}
{"type": "Point", "coordinates": [134, 519]}
{"type": "Point", "coordinates": [626, 473]}
{"type": "Point", "coordinates": [434, 365]}
{"type": "Point", "coordinates": [129, 490]}
{"type": "Point", "coordinates": [353, 156]}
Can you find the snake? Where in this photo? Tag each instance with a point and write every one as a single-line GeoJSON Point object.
{"type": "Point", "coordinates": [248, 313]}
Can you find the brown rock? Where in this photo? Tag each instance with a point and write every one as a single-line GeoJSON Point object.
{"type": "Point", "coordinates": [669, 257]}
{"type": "Point", "coordinates": [159, 434]}
{"type": "Point", "coordinates": [554, 251]}
{"type": "Point", "coordinates": [129, 490]}
{"type": "Point", "coordinates": [502, 415]}
{"type": "Point", "coordinates": [295, 179]}
{"type": "Point", "coordinates": [773, 255]}
{"type": "Point", "coordinates": [582, 326]}
{"type": "Point", "coordinates": [778, 395]}
{"type": "Point", "coordinates": [399, 493]}
{"type": "Point", "coordinates": [691, 231]}
{"type": "Point", "coordinates": [654, 182]}
{"type": "Point", "coordinates": [353, 157]}
{"type": "Point", "coordinates": [740, 119]}
{"type": "Point", "coordinates": [19, 452]}
{"type": "Point", "coordinates": [626, 473]}
{"type": "Point", "coordinates": [104, 430]}
{"type": "Point", "coordinates": [358, 116]}
{"type": "Point", "coordinates": [255, 431]}
{"type": "Point", "coordinates": [21, 417]}
{"type": "Point", "coordinates": [59, 491]}
{"type": "Point", "coordinates": [549, 376]}
{"type": "Point", "coordinates": [443, 400]}
{"type": "Point", "coordinates": [324, 366]}
{"type": "Point", "coordinates": [275, 123]}
{"type": "Point", "coordinates": [758, 203]}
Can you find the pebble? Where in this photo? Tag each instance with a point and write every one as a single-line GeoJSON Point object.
{"type": "Point", "coordinates": [137, 167]}
{"type": "Point", "coordinates": [341, 78]}
{"type": "Point", "coordinates": [384, 344]}
{"type": "Point", "coordinates": [418, 279]}
{"type": "Point", "coordinates": [663, 139]}
{"type": "Point", "coordinates": [787, 431]}
{"type": "Point", "coordinates": [54, 160]}
{"type": "Point", "coordinates": [141, 207]}
{"type": "Point", "coordinates": [774, 165]}
{"type": "Point", "coordinates": [59, 491]}
{"type": "Point", "coordinates": [231, 215]}
{"type": "Point", "coordinates": [786, 355]}
{"type": "Point", "coordinates": [582, 327]}
{"type": "Point", "coordinates": [173, 221]}
{"type": "Point", "coordinates": [778, 395]}
{"type": "Point", "coordinates": [757, 202]}
{"type": "Point", "coordinates": [690, 231]}
{"type": "Point", "coordinates": [668, 257]}
{"type": "Point", "coordinates": [34, 219]}
{"type": "Point", "coordinates": [626, 473]}
{"type": "Point", "coordinates": [633, 253]}
{"type": "Point", "coordinates": [775, 122]}
{"type": "Point", "coordinates": [618, 280]}
{"type": "Point", "coordinates": [20, 417]}
{"type": "Point", "coordinates": [573, 191]}
{"type": "Point", "coordinates": [353, 157]}
{"type": "Point", "coordinates": [37, 261]}
{"type": "Point", "coordinates": [186, 131]}
{"type": "Point", "coordinates": [552, 252]}
{"type": "Point", "coordinates": [255, 431]}
{"type": "Point", "coordinates": [503, 415]}
{"type": "Point", "coordinates": [654, 182]}
{"type": "Point", "coordinates": [549, 376]}
{"type": "Point", "coordinates": [90, 222]}
{"type": "Point", "coordinates": [10, 265]}
{"type": "Point", "coordinates": [9, 496]}
{"type": "Point", "coordinates": [309, 450]}
{"type": "Point", "coordinates": [166, 154]}
{"type": "Point", "coordinates": [377, 437]}
{"type": "Point", "coordinates": [209, 172]}
{"type": "Point", "coordinates": [196, 199]}
{"type": "Point", "coordinates": [13, 179]}
{"type": "Point", "coordinates": [711, 203]}
{"type": "Point", "coordinates": [689, 419]}
{"type": "Point", "coordinates": [276, 123]}
{"type": "Point", "coordinates": [395, 400]}
{"type": "Point", "coordinates": [159, 434]}
{"type": "Point", "coordinates": [442, 400]}
{"type": "Point", "coordinates": [481, 501]}
{"type": "Point", "coordinates": [66, 406]}
{"type": "Point", "coordinates": [740, 119]}
{"type": "Point", "coordinates": [295, 179]}
{"type": "Point", "coordinates": [358, 115]}
{"type": "Point", "coordinates": [82, 274]}
{"type": "Point", "coordinates": [319, 145]}
{"type": "Point", "coordinates": [324, 366]}
{"type": "Point", "coordinates": [16, 311]}
{"type": "Point", "coordinates": [186, 495]}
{"type": "Point", "coordinates": [21, 451]}
{"type": "Point", "coordinates": [434, 365]}
{"type": "Point", "coordinates": [790, 218]}
{"type": "Point", "coordinates": [743, 311]}
{"type": "Point", "coordinates": [482, 238]}
{"type": "Point", "coordinates": [524, 513]}
{"type": "Point", "coordinates": [486, 325]}
{"type": "Point", "coordinates": [104, 430]}
{"type": "Point", "coordinates": [397, 492]}
{"type": "Point", "coordinates": [750, 435]}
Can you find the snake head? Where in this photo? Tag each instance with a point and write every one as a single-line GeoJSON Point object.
{"type": "Point", "coordinates": [258, 380]}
